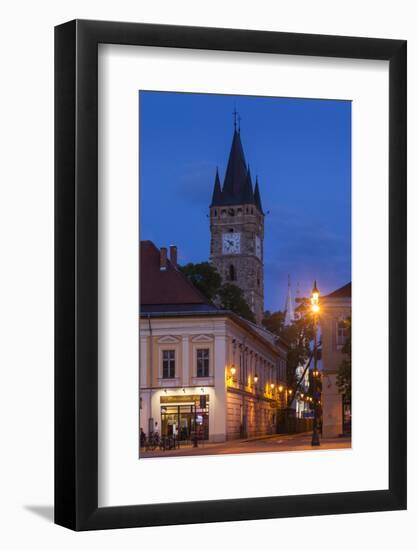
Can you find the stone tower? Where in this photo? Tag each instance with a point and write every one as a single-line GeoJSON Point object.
{"type": "Point", "coordinates": [237, 229]}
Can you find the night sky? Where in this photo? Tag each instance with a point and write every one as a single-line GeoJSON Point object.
{"type": "Point", "coordinates": [301, 151]}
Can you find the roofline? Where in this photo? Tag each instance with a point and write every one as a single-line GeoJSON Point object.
{"type": "Point", "coordinates": [336, 298]}
{"type": "Point", "coordinates": [176, 268]}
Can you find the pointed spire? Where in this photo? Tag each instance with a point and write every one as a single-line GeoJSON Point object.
{"type": "Point", "coordinates": [257, 196]}
{"type": "Point", "coordinates": [217, 191]}
{"type": "Point", "coordinates": [237, 187]}
{"type": "Point", "coordinates": [289, 308]}
{"type": "Point", "coordinates": [236, 171]}
{"type": "Point", "coordinates": [248, 189]}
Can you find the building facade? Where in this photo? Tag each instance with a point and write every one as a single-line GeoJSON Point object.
{"type": "Point", "coordinates": [237, 229]}
{"type": "Point", "coordinates": [336, 308]}
{"type": "Point", "coordinates": [203, 371]}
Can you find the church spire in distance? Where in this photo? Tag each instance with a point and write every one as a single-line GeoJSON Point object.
{"type": "Point", "coordinates": [289, 309]}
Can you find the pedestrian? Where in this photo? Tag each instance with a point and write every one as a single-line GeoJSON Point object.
{"type": "Point", "coordinates": [156, 432]}
{"type": "Point", "coordinates": [142, 438]}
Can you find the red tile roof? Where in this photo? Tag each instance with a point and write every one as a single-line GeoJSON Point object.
{"type": "Point", "coordinates": [342, 292]}
{"type": "Point", "coordinates": [164, 287]}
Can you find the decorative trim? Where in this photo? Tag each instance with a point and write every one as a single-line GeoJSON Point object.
{"type": "Point", "coordinates": [168, 340]}
{"type": "Point", "coordinates": [202, 338]}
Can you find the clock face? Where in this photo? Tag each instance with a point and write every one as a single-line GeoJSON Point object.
{"type": "Point", "coordinates": [231, 243]}
{"type": "Point", "coordinates": [258, 249]}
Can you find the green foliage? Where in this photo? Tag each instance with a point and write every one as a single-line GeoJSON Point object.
{"type": "Point", "coordinates": [344, 373]}
{"type": "Point", "coordinates": [205, 277]}
{"type": "Point", "coordinates": [274, 322]}
{"type": "Point", "coordinates": [298, 335]}
{"type": "Point", "coordinates": [231, 297]}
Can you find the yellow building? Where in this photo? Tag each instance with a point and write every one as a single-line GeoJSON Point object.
{"type": "Point", "coordinates": [202, 370]}
{"type": "Point", "coordinates": [335, 309]}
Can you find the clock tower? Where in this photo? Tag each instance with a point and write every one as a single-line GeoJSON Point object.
{"type": "Point", "coordinates": [237, 229]}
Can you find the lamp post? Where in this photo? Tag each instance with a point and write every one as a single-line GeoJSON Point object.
{"type": "Point", "coordinates": [315, 308]}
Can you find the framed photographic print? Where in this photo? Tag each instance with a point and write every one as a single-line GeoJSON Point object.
{"type": "Point", "coordinates": [230, 275]}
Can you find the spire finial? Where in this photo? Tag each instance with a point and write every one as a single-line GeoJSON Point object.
{"type": "Point", "coordinates": [236, 119]}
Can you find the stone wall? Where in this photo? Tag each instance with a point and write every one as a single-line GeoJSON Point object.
{"type": "Point", "coordinates": [247, 221]}
{"type": "Point", "coordinates": [260, 416]}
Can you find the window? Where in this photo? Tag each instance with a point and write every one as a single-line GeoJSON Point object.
{"type": "Point", "coordinates": [203, 359]}
{"type": "Point", "coordinates": [232, 273]}
{"type": "Point", "coordinates": [168, 363]}
{"type": "Point", "coordinates": [341, 333]}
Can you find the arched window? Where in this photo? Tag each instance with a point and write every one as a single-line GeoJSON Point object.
{"type": "Point", "coordinates": [232, 273]}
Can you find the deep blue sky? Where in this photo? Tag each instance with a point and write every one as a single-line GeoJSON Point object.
{"type": "Point", "coordinates": [301, 151]}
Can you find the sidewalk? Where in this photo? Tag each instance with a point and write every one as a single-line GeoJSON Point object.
{"type": "Point", "coordinates": [266, 443]}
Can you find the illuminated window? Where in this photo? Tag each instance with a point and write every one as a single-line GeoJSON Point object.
{"type": "Point", "coordinates": [168, 363]}
{"type": "Point", "coordinates": [203, 361]}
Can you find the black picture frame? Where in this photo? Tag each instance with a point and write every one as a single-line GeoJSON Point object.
{"type": "Point", "coordinates": [76, 272]}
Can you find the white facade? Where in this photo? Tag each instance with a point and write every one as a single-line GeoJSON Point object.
{"type": "Point", "coordinates": [235, 354]}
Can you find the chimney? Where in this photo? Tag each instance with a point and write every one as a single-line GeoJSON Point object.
{"type": "Point", "coordinates": [163, 259]}
{"type": "Point", "coordinates": [173, 255]}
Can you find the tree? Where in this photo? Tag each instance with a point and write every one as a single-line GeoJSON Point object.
{"type": "Point", "coordinates": [274, 322]}
{"type": "Point", "coordinates": [205, 277]}
{"type": "Point", "coordinates": [344, 373]}
{"type": "Point", "coordinates": [231, 297]}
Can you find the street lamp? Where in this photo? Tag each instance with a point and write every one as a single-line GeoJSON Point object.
{"type": "Point", "coordinates": [231, 376]}
{"type": "Point", "coordinates": [315, 309]}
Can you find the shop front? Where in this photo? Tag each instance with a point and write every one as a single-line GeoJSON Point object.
{"type": "Point", "coordinates": [185, 417]}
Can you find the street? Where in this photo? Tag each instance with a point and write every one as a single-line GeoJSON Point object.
{"type": "Point", "coordinates": [273, 443]}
